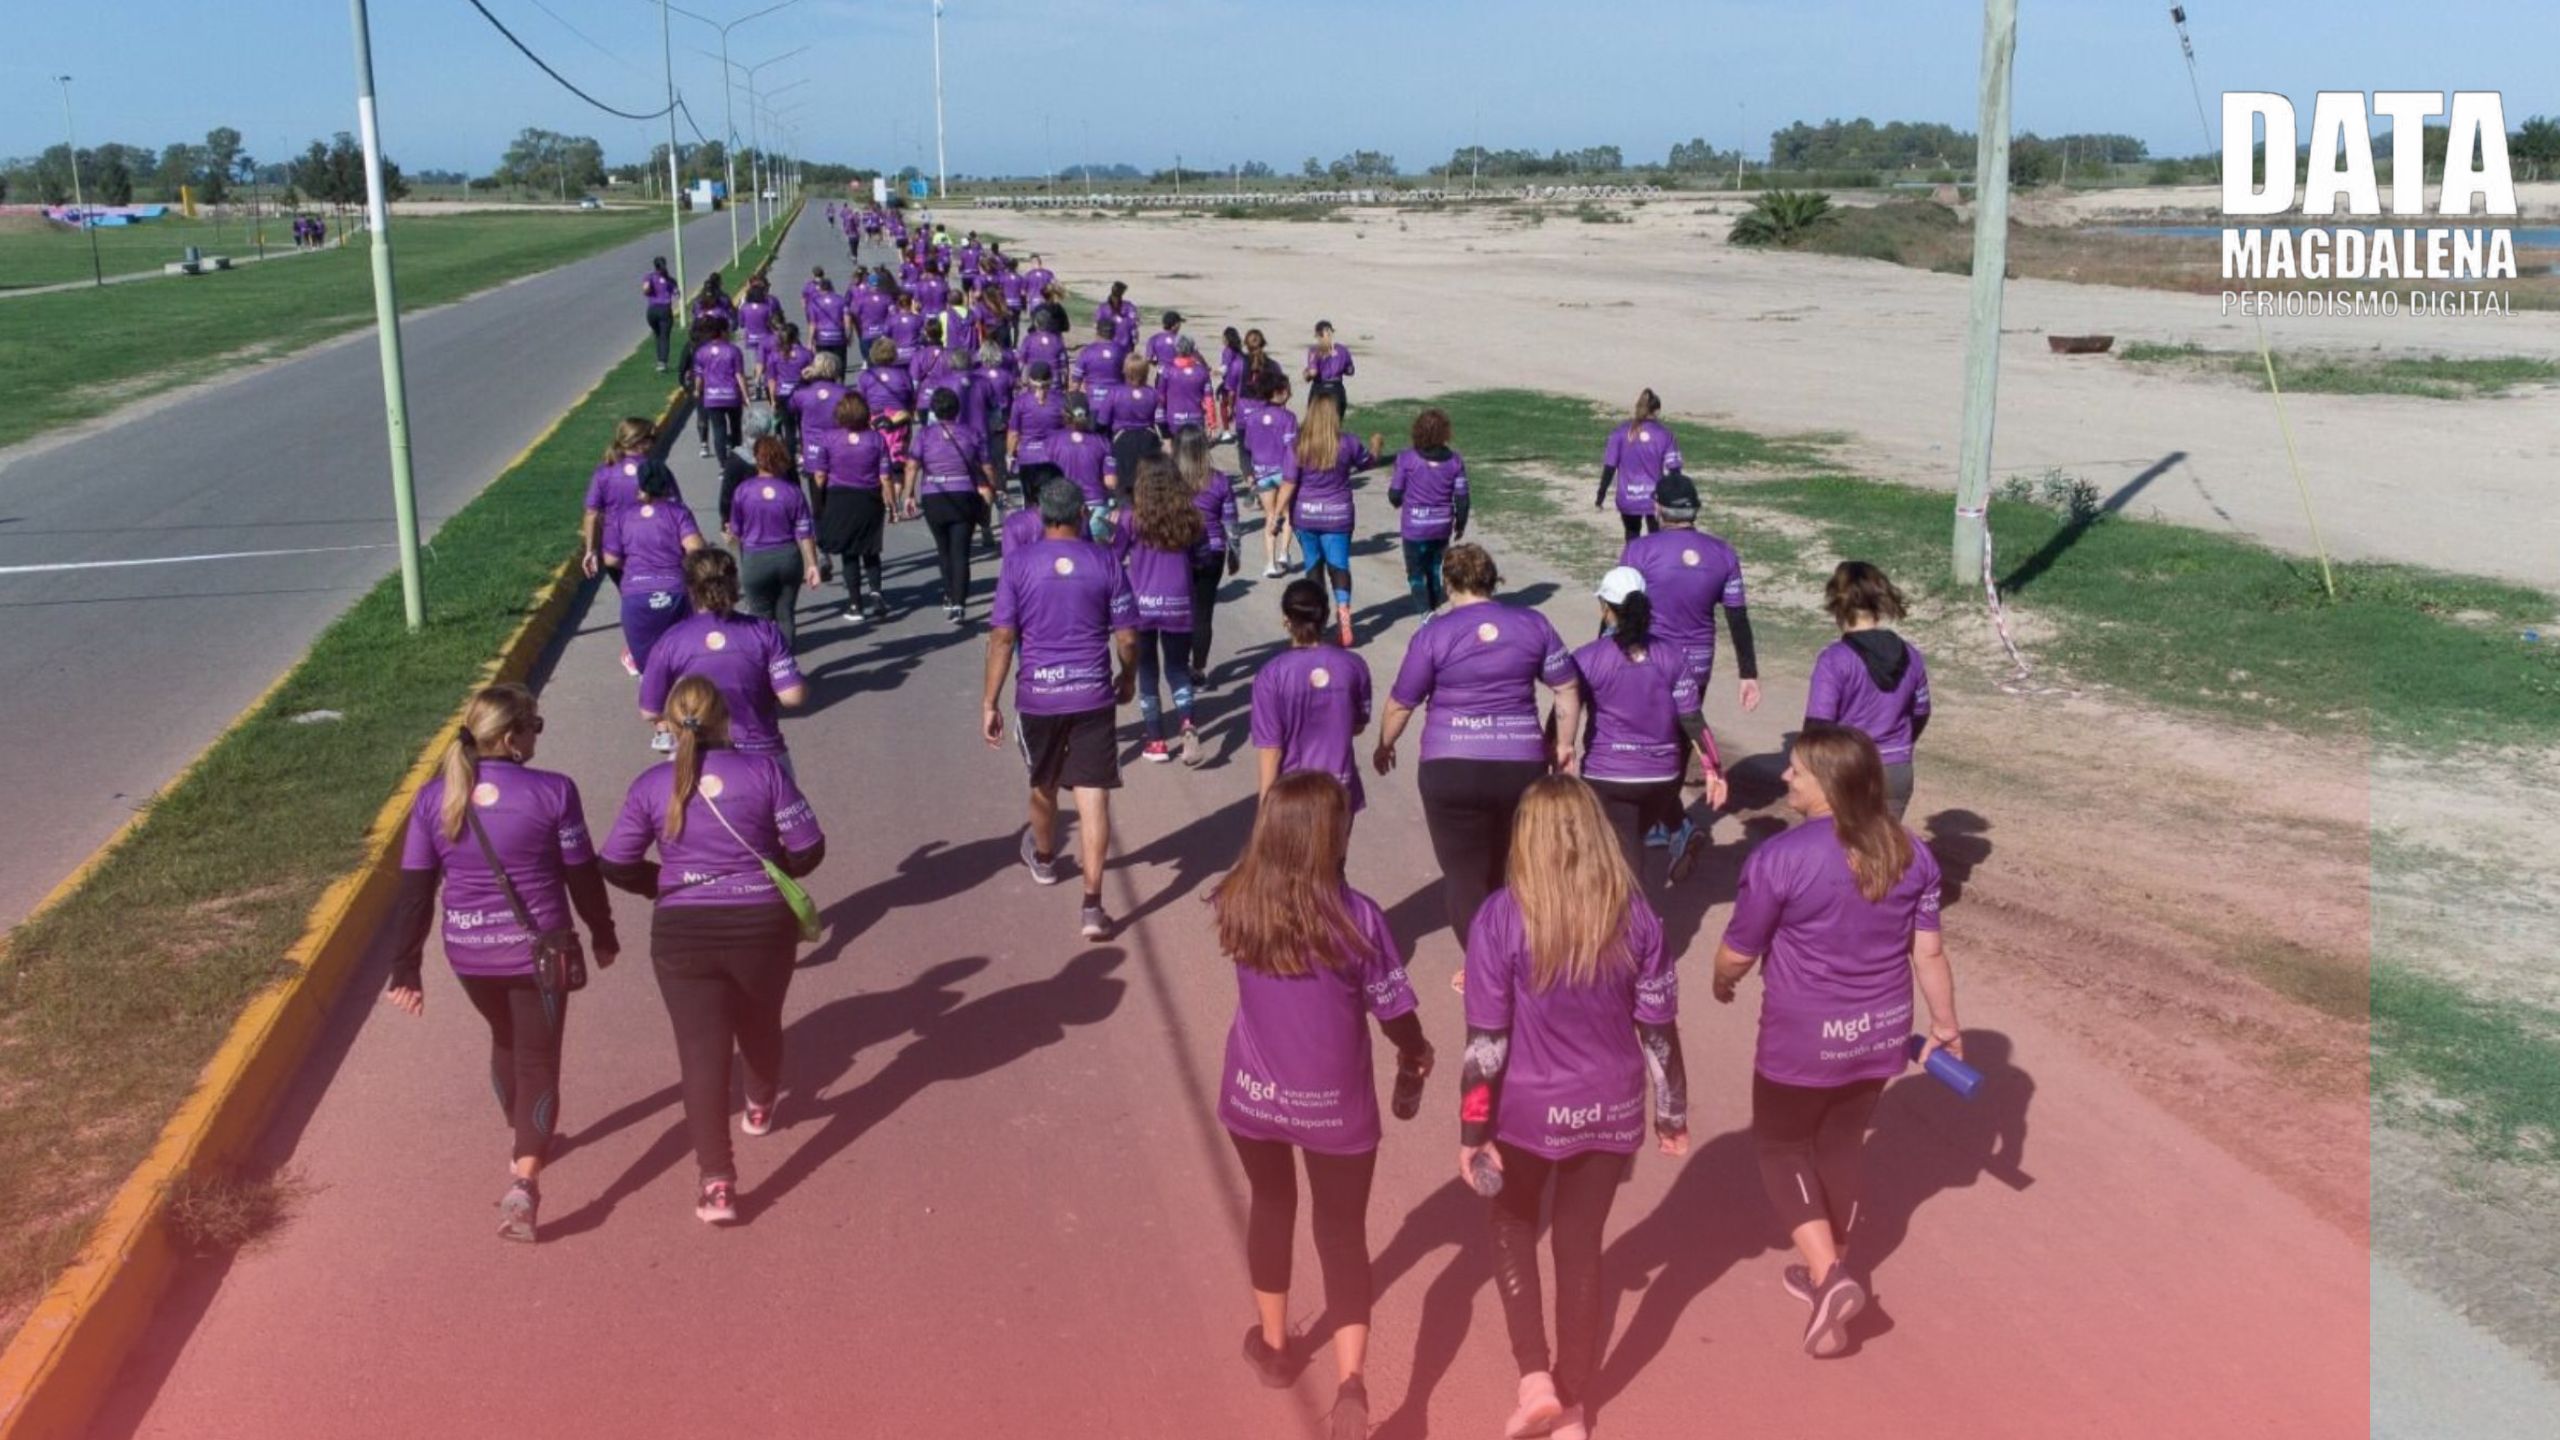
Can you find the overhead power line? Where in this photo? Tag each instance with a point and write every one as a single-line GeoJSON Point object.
{"type": "Point", "coordinates": [562, 80]}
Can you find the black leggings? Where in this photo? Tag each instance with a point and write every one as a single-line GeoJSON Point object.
{"type": "Point", "coordinates": [1811, 1140]}
{"type": "Point", "coordinates": [1468, 805]}
{"type": "Point", "coordinates": [1639, 524]}
{"type": "Point", "coordinates": [1339, 1186]}
{"type": "Point", "coordinates": [1585, 1187]}
{"type": "Point", "coordinates": [953, 520]}
{"type": "Point", "coordinates": [717, 426]}
{"type": "Point", "coordinates": [524, 1054]}
{"type": "Point", "coordinates": [662, 329]}
{"type": "Point", "coordinates": [769, 587]}
{"type": "Point", "coordinates": [724, 971]}
{"type": "Point", "coordinates": [1635, 806]}
{"type": "Point", "coordinates": [1205, 576]}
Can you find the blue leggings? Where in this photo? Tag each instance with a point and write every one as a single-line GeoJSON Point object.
{"type": "Point", "coordinates": [1166, 654]}
{"type": "Point", "coordinates": [1329, 552]}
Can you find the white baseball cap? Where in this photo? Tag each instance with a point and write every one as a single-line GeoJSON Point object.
{"type": "Point", "coordinates": [1619, 583]}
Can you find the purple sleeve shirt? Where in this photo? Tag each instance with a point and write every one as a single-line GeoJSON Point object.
{"type": "Point", "coordinates": [1216, 502]}
{"type": "Point", "coordinates": [949, 456]}
{"type": "Point", "coordinates": [706, 865]}
{"type": "Point", "coordinates": [744, 657]}
{"type": "Point", "coordinates": [1843, 693]}
{"type": "Point", "coordinates": [539, 829]}
{"type": "Point", "coordinates": [652, 540]}
{"type": "Point", "coordinates": [1431, 490]}
{"type": "Point", "coordinates": [1298, 1066]}
{"type": "Point", "coordinates": [768, 512]}
{"type": "Point", "coordinates": [856, 462]}
{"type": "Point", "coordinates": [1270, 441]}
{"type": "Point", "coordinates": [1634, 710]}
{"type": "Point", "coordinates": [719, 368]}
{"type": "Point", "coordinates": [1331, 367]}
{"type": "Point", "coordinates": [1085, 458]}
{"type": "Point", "coordinates": [1575, 1077]}
{"type": "Point", "coordinates": [1642, 452]}
{"type": "Point", "coordinates": [1063, 600]}
{"type": "Point", "coordinates": [1307, 704]}
{"type": "Point", "coordinates": [1687, 574]}
{"type": "Point", "coordinates": [1160, 583]}
{"type": "Point", "coordinates": [1323, 502]}
{"type": "Point", "coordinates": [1037, 418]}
{"type": "Point", "coordinates": [1186, 394]}
{"type": "Point", "coordinates": [1479, 666]}
{"type": "Point", "coordinates": [1835, 968]}
{"type": "Point", "coordinates": [1099, 364]}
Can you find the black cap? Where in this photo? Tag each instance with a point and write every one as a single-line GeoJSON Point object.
{"type": "Point", "coordinates": [1172, 317]}
{"type": "Point", "coordinates": [1676, 493]}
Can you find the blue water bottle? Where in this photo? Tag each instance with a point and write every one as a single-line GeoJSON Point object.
{"type": "Point", "coordinates": [1949, 1071]}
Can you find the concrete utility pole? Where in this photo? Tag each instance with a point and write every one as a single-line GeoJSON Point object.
{"type": "Point", "coordinates": [675, 182]}
{"type": "Point", "coordinates": [728, 113]}
{"type": "Point", "coordinates": [386, 319]}
{"type": "Point", "coordinates": [79, 202]}
{"type": "Point", "coordinates": [941, 164]}
{"type": "Point", "coordinates": [1990, 270]}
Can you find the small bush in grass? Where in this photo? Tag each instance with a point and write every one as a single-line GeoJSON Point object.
{"type": "Point", "coordinates": [1782, 217]}
{"type": "Point", "coordinates": [1592, 213]}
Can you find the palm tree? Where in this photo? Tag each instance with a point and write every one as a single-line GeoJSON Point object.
{"type": "Point", "coordinates": [1781, 217]}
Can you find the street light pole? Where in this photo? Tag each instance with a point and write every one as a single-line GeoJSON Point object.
{"type": "Point", "coordinates": [79, 201]}
{"type": "Point", "coordinates": [675, 182]}
{"type": "Point", "coordinates": [728, 110]}
{"type": "Point", "coordinates": [386, 319]}
{"type": "Point", "coordinates": [1990, 268]}
{"type": "Point", "coordinates": [941, 164]}
{"type": "Point", "coordinates": [755, 126]}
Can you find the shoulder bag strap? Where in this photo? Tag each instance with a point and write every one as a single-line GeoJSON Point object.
{"type": "Point", "coordinates": [489, 853]}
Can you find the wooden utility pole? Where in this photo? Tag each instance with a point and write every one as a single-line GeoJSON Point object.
{"type": "Point", "coordinates": [1990, 269]}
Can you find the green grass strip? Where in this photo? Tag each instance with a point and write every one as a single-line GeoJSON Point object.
{"type": "Point", "coordinates": [74, 355]}
{"type": "Point", "coordinates": [111, 1002]}
{"type": "Point", "coordinates": [2488, 1070]}
{"type": "Point", "coordinates": [2430, 377]}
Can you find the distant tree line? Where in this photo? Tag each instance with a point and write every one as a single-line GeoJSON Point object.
{"type": "Point", "coordinates": [215, 171]}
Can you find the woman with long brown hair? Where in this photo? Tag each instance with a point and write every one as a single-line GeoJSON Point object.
{"type": "Point", "coordinates": [722, 939]}
{"type": "Point", "coordinates": [1840, 913]}
{"type": "Point", "coordinates": [1640, 452]}
{"type": "Point", "coordinates": [1168, 530]}
{"type": "Point", "coordinates": [1311, 956]}
{"type": "Point", "coordinates": [1572, 1005]}
{"type": "Point", "coordinates": [508, 844]}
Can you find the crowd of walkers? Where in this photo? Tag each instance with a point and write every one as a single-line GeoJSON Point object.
{"type": "Point", "coordinates": [1093, 473]}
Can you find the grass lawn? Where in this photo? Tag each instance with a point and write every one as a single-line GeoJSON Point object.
{"type": "Point", "coordinates": [119, 994]}
{"type": "Point", "coordinates": [76, 354]}
{"type": "Point", "coordinates": [2433, 377]}
{"type": "Point", "coordinates": [34, 251]}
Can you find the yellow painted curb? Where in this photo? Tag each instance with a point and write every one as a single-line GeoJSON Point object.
{"type": "Point", "coordinates": [58, 1368]}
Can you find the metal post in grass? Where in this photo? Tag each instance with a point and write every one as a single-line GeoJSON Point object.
{"type": "Point", "coordinates": [386, 319]}
{"type": "Point", "coordinates": [941, 164]}
{"type": "Point", "coordinates": [675, 182]}
{"type": "Point", "coordinates": [79, 201]}
{"type": "Point", "coordinates": [1990, 270]}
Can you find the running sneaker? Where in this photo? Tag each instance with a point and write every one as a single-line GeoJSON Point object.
{"type": "Point", "coordinates": [630, 666]}
{"type": "Point", "coordinates": [1190, 743]}
{"type": "Point", "coordinates": [1570, 1425]}
{"type": "Point", "coordinates": [759, 1118]}
{"type": "Point", "coordinates": [1097, 922]}
{"type": "Point", "coordinates": [719, 1203]}
{"type": "Point", "coordinates": [876, 605]}
{"type": "Point", "coordinates": [706, 449]}
{"type": "Point", "coordinates": [1342, 614]}
{"type": "Point", "coordinates": [1798, 1281]}
{"type": "Point", "coordinates": [663, 741]}
{"type": "Point", "coordinates": [1275, 1368]}
{"type": "Point", "coordinates": [1538, 1410]}
{"type": "Point", "coordinates": [1272, 572]}
{"type": "Point", "coordinates": [1350, 1417]}
{"type": "Point", "coordinates": [1835, 1304]}
{"type": "Point", "coordinates": [1658, 838]}
{"type": "Point", "coordinates": [1687, 845]}
{"type": "Point", "coordinates": [516, 1210]}
{"type": "Point", "coordinates": [1044, 872]}
{"type": "Point", "coordinates": [853, 612]}
{"type": "Point", "coordinates": [1156, 753]}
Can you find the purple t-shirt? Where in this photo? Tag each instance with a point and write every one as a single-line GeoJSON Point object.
{"type": "Point", "coordinates": [1216, 502]}
{"type": "Point", "coordinates": [1642, 452]}
{"type": "Point", "coordinates": [1835, 970]}
{"type": "Point", "coordinates": [706, 865]}
{"type": "Point", "coordinates": [887, 389]}
{"type": "Point", "coordinates": [1046, 347]}
{"type": "Point", "coordinates": [1160, 582]}
{"type": "Point", "coordinates": [653, 536]}
{"type": "Point", "coordinates": [815, 404]}
{"type": "Point", "coordinates": [988, 402]}
{"type": "Point", "coordinates": [1063, 598]}
{"type": "Point", "coordinates": [719, 368]}
{"type": "Point", "coordinates": [1635, 708]}
{"type": "Point", "coordinates": [1037, 417]}
{"type": "Point", "coordinates": [871, 313]}
{"type": "Point", "coordinates": [1298, 1066]}
{"type": "Point", "coordinates": [949, 456]}
{"type": "Point", "coordinates": [1124, 323]}
{"type": "Point", "coordinates": [1842, 692]}
{"type": "Point", "coordinates": [826, 318]}
{"type": "Point", "coordinates": [539, 830]}
{"type": "Point", "coordinates": [1269, 436]}
{"type": "Point", "coordinates": [1099, 364]}
{"type": "Point", "coordinates": [1019, 530]}
{"type": "Point", "coordinates": [1186, 393]}
{"type": "Point", "coordinates": [659, 290]}
{"type": "Point", "coordinates": [1332, 366]}
{"type": "Point", "coordinates": [1085, 458]}
{"type": "Point", "coordinates": [755, 317]}
{"type": "Point", "coordinates": [1431, 490]}
{"type": "Point", "coordinates": [906, 331]}
{"type": "Point", "coordinates": [856, 462]}
{"type": "Point", "coordinates": [613, 491]}
{"type": "Point", "coordinates": [1575, 1079]}
{"type": "Point", "coordinates": [768, 511]}
{"type": "Point", "coordinates": [1687, 574]}
{"type": "Point", "coordinates": [1307, 704]}
{"type": "Point", "coordinates": [1479, 665]}
{"type": "Point", "coordinates": [746, 658]}
{"type": "Point", "coordinates": [1132, 407]}
{"type": "Point", "coordinates": [784, 367]}
{"type": "Point", "coordinates": [1323, 502]}
{"type": "Point", "coordinates": [1160, 348]}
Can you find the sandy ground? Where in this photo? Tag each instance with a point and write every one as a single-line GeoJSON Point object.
{"type": "Point", "coordinates": [1800, 343]}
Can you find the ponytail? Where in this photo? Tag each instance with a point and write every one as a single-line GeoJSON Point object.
{"type": "Point", "coordinates": [1851, 772]}
{"type": "Point", "coordinates": [492, 715]}
{"type": "Point", "coordinates": [1635, 623]}
{"type": "Point", "coordinates": [1648, 405]}
{"type": "Point", "coordinates": [699, 718]}
{"type": "Point", "coordinates": [635, 434]}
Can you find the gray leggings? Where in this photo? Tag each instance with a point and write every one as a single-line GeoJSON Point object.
{"type": "Point", "coordinates": [1897, 788]}
{"type": "Point", "coordinates": [769, 587]}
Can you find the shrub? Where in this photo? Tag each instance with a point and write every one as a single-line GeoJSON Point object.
{"type": "Point", "coordinates": [1782, 217]}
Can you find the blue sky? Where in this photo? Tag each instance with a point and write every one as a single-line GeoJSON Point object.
{"type": "Point", "coordinates": [1029, 83]}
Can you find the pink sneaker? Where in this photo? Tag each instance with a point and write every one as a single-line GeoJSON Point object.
{"type": "Point", "coordinates": [719, 1203]}
{"type": "Point", "coordinates": [1539, 1409]}
{"type": "Point", "coordinates": [1156, 753]}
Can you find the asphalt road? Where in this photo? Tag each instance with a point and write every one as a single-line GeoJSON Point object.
{"type": "Point", "coordinates": [127, 670]}
{"type": "Point", "coordinates": [999, 1203]}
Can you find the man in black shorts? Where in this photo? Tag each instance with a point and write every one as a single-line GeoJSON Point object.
{"type": "Point", "coordinates": [1066, 606]}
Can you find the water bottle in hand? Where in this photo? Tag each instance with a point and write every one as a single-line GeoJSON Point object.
{"type": "Point", "coordinates": [1407, 1099]}
{"type": "Point", "coordinates": [1947, 1069]}
{"type": "Point", "coordinates": [1485, 1175]}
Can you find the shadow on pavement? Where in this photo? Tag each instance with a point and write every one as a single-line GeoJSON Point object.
{"type": "Point", "coordinates": [1454, 1218]}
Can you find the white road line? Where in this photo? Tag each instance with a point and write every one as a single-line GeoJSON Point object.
{"type": "Point", "coordinates": [183, 559]}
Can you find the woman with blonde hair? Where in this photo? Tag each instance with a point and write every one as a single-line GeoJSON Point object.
{"type": "Point", "coordinates": [1315, 490]}
{"type": "Point", "coordinates": [614, 489]}
{"type": "Point", "coordinates": [509, 846]}
{"type": "Point", "coordinates": [1312, 956]}
{"type": "Point", "coordinates": [1840, 914]}
{"type": "Point", "coordinates": [1572, 1004]}
{"type": "Point", "coordinates": [1168, 530]}
{"type": "Point", "coordinates": [722, 938]}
